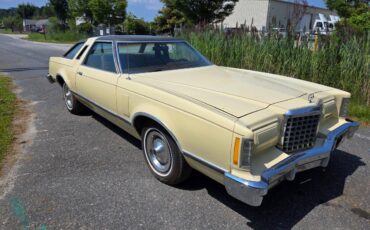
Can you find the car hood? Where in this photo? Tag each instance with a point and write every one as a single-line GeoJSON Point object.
{"type": "Point", "coordinates": [233, 91]}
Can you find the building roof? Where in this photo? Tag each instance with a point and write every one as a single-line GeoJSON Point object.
{"type": "Point", "coordinates": [145, 38]}
{"type": "Point", "coordinates": [42, 22]}
{"type": "Point", "coordinates": [28, 22]}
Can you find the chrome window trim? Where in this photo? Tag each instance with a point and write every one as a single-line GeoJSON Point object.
{"type": "Point", "coordinates": [114, 58]}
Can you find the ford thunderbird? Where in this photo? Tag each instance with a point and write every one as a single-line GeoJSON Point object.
{"type": "Point", "coordinates": [247, 130]}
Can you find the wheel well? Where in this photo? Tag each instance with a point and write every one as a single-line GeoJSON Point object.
{"type": "Point", "coordinates": [142, 121]}
{"type": "Point", "coordinates": [60, 80]}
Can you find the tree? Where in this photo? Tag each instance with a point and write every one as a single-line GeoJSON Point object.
{"type": "Point", "coordinates": [108, 12]}
{"type": "Point", "coordinates": [169, 17]}
{"type": "Point", "coordinates": [80, 8]}
{"type": "Point", "coordinates": [205, 11]}
{"type": "Point", "coordinates": [354, 13]}
{"type": "Point", "coordinates": [134, 25]}
{"type": "Point", "coordinates": [26, 10]}
{"type": "Point", "coordinates": [61, 10]}
{"type": "Point", "coordinates": [11, 12]}
{"type": "Point", "coordinates": [13, 23]}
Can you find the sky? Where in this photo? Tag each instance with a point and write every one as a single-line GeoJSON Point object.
{"type": "Point", "coordinates": [146, 9]}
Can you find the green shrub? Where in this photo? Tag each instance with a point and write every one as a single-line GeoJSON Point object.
{"type": "Point", "coordinates": [58, 37]}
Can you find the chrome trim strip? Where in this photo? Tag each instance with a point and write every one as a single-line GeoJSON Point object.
{"type": "Point", "coordinates": [305, 110]}
{"type": "Point", "coordinates": [159, 122]}
{"type": "Point", "coordinates": [252, 192]}
{"type": "Point", "coordinates": [204, 162]}
{"type": "Point", "coordinates": [126, 120]}
{"type": "Point", "coordinates": [154, 41]}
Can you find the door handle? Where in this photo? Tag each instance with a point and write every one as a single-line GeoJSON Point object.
{"type": "Point", "coordinates": [80, 73]}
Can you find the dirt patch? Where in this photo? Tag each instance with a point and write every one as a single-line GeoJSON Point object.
{"type": "Point", "coordinates": [22, 121]}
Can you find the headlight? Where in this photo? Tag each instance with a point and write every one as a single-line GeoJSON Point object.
{"type": "Point", "coordinates": [246, 153]}
{"type": "Point", "coordinates": [344, 108]}
{"type": "Point", "coordinates": [242, 153]}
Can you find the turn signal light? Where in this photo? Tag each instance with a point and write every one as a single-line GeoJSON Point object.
{"type": "Point", "coordinates": [236, 151]}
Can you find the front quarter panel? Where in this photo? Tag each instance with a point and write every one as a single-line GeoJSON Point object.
{"type": "Point", "coordinates": [199, 132]}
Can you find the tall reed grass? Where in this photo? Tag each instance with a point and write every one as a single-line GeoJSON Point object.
{"type": "Point", "coordinates": [337, 63]}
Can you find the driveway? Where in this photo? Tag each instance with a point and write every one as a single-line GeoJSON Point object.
{"type": "Point", "coordinates": [81, 172]}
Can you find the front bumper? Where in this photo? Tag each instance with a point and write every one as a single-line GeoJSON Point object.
{"type": "Point", "coordinates": [50, 78]}
{"type": "Point", "coordinates": [252, 192]}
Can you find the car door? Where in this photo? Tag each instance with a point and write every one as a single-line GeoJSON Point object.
{"type": "Point", "coordinates": [97, 76]}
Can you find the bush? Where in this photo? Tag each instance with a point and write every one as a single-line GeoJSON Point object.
{"type": "Point", "coordinates": [58, 37]}
{"type": "Point", "coordinates": [85, 28]}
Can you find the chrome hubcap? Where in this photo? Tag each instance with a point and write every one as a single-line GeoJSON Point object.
{"type": "Point", "coordinates": [158, 151]}
{"type": "Point", "coordinates": [68, 97]}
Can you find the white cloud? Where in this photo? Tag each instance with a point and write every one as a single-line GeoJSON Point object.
{"type": "Point", "coordinates": [148, 4]}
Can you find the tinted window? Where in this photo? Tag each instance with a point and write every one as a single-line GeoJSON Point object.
{"type": "Point", "coordinates": [73, 51]}
{"type": "Point", "coordinates": [159, 56]}
{"type": "Point", "coordinates": [101, 57]}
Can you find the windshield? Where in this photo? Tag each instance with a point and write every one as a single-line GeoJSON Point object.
{"type": "Point", "coordinates": [158, 56]}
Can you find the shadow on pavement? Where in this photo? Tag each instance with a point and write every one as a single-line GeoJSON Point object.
{"type": "Point", "coordinates": [132, 140]}
{"type": "Point", "coordinates": [23, 69]}
{"type": "Point", "coordinates": [286, 204]}
{"type": "Point", "coordinates": [289, 202]}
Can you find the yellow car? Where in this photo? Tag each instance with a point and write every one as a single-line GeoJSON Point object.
{"type": "Point", "coordinates": [247, 130]}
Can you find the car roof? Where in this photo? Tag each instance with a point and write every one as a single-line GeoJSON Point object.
{"type": "Point", "coordinates": [133, 38]}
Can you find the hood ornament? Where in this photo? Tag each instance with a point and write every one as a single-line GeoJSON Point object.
{"type": "Point", "coordinates": [311, 97]}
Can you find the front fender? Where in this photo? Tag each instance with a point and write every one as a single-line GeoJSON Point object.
{"type": "Point", "coordinates": [194, 135]}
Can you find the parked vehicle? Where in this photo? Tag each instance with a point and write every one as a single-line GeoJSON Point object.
{"type": "Point", "coordinates": [319, 24]}
{"type": "Point", "coordinates": [247, 130]}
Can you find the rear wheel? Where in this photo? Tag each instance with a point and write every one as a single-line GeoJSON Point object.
{"type": "Point", "coordinates": [163, 157]}
{"type": "Point", "coordinates": [72, 104]}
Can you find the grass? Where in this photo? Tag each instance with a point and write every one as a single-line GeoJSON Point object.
{"type": "Point", "coordinates": [8, 31]}
{"type": "Point", "coordinates": [7, 112]}
{"type": "Point", "coordinates": [360, 112]}
{"type": "Point", "coordinates": [340, 64]}
{"type": "Point", "coordinates": [67, 37]}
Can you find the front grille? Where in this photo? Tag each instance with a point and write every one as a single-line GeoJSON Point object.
{"type": "Point", "coordinates": [300, 132]}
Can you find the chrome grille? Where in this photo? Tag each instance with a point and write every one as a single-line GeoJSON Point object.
{"type": "Point", "coordinates": [300, 132]}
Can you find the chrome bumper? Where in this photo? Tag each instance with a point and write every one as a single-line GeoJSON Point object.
{"type": "Point", "coordinates": [252, 192]}
{"type": "Point", "coordinates": [50, 78]}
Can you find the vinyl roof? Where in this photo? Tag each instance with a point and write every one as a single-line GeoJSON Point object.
{"type": "Point", "coordinates": [133, 38]}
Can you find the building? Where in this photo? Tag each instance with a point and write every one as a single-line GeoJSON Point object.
{"type": "Point", "coordinates": [30, 25]}
{"type": "Point", "coordinates": [265, 15]}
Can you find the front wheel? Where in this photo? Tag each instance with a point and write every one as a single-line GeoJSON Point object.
{"type": "Point", "coordinates": [72, 104]}
{"type": "Point", "coordinates": [163, 157]}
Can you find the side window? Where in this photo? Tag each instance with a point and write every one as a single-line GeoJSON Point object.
{"type": "Point", "coordinates": [101, 57]}
{"type": "Point", "coordinates": [73, 51]}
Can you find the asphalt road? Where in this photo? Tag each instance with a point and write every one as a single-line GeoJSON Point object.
{"type": "Point", "coordinates": [83, 173]}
